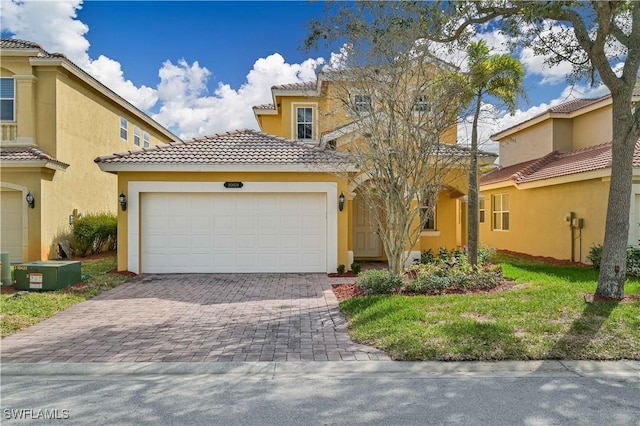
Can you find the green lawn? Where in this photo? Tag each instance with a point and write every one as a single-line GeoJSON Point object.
{"type": "Point", "coordinates": [19, 312]}
{"type": "Point", "coordinates": [544, 316]}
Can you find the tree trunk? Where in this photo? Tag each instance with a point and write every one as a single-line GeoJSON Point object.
{"type": "Point", "coordinates": [472, 211]}
{"type": "Point", "coordinates": [613, 266]}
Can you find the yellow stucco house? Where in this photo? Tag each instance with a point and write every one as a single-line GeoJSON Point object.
{"type": "Point", "coordinates": [55, 119]}
{"type": "Point", "coordinates": [548, 197]}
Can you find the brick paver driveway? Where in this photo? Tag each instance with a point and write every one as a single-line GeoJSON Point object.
{"type": "Point", "coordinates": [197, 317]}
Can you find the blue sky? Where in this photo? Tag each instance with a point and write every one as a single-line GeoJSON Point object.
{"type": "Point", "coordinates": [198, 67]}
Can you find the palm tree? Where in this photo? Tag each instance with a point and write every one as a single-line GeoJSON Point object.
{"type": "Point", "coordinates": [500, 77]}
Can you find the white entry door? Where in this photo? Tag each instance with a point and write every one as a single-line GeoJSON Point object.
{"type": "Point", "coordinates": [248, 232]}
{"type": "Point", "coordinates": [366, 242]}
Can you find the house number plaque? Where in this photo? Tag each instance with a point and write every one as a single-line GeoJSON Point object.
{"type": "Point", "coordinates": [233, 184]}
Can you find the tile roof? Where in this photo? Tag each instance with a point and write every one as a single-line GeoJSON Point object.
{"type": "Point", "coordinates": [574, 105]}
{"type": "Point", "coordinates": [14, 43]}
{"type": "Point", "coordinates": [305, 85]}
{"type": "Point", "coordinates": [557, 164]}
{"type": "Point", "coordinates": [264, 106]}
{"type": "Point", "coordinates": [241, 147]}
{"type": "Point", "coordinates": [24, 154]}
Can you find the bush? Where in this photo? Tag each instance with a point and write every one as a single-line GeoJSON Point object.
{"type": "Point", "coordinates": [356, 267]}
{"type": "Point", "coordinates": [341, 268]}
{"type": "Point", "coordinates": [455, 256]}
{"type": "Point", "coordinates": [379, 281]}
{"type": "Point", "coordinates": [633, 259]}
{"type": "Point", "coordinates": [438, 278]}
{"type": "Point", "coordinates": [94, 233]}
{"type": "Point", "coordinates": [595, 255]}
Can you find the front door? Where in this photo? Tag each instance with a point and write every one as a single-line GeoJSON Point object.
{"type": "Point", "coordinates": [366, 242]}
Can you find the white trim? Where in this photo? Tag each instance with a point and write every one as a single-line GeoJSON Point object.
{"type": "Point", "coordinates": [411, 256]}
{"type": "Point", "coordinates": [350, 260]}
{"type": "Point", "coordinates": [135, 188]}
{"type": "Point", "coordinates": [429, 233]}
{"type": "Point", "coordinates": [33, 163]}
{"type": "Point", "coordinates": [137, 167]}
{"type": "Point", "coordinates": [25, 216]}
{"type": "Point", "coordinates": [314, 123]}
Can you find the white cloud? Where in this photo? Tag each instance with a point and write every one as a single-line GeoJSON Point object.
{"type": "Point", "coordinates": [186, 105]}
{"type": "Point", "coordinates": [54, 25]}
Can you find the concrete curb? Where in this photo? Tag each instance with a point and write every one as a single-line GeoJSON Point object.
{"type": "Point", "coordinates": [331, 369]}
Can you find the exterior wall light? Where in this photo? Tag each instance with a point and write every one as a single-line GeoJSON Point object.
{"type": "Point", "coordinates": [123, 201]}
{"type": "Point", "coordinates": [30, 200]}
{"type": "Point", "coordinates": [72, 219]}
{"type": "Point", "coordinates": [341, 200]}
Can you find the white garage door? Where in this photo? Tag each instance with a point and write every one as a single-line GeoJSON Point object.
{"type": "Point", "coordinates": [249, 232]}
{"type": "Point", "coordinates": [11, 224]}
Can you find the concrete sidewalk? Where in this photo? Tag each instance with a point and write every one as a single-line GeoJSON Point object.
{"type": "Point", "coordinates": [331, 369]}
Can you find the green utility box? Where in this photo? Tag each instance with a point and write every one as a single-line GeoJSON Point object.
{"type": "Point", "coordinates": [47, 275]}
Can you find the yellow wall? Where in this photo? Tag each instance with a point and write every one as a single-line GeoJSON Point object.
{"type": "Point", "coordinates": [537, 225]}
{"type": "Point", "coordinates": [125, 177]}
{"type": "Point", "coordinates": [528, 144]}
{"type": "Point", "coordinates": [593, 128]}
{"type": "Point", "coordinates": [73, 123]}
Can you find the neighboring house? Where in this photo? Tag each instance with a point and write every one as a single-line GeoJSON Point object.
{"type": "Point", "coordinates": [549, 195]}
{"type": "Point", "coordinates": [55, 120]}
{"type": "Point", "coordinates": [310, 113]}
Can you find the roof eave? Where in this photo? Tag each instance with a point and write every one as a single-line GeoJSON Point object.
{"type": "Point", "coordinates": [235, 167]}
{"type": "Point", "coordinates": [47, 164]}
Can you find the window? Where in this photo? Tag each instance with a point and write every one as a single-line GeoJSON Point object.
{"type": "Point", "coordinates": [421, 104]}
{"type": "Point", "coordinates": [428, 217]}
{"type": "Point", "coordinates": [136, 135]}
{"type": "Point", "coordinates": [146, 139]}
{"type": "Point", "coordinates": [304, 123]}
{"type": "Point", "coordinates": [362, 103]}
{"type": "Point", "coordinates": [7, 99]}
{"type": "Point", "coordinates": [500, 212]}
{"type": "Point", "coordinates": [124, 129]}
{"type": "Point", "coordinates": [481, 210]}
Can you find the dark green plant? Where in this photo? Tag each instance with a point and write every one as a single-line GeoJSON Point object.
{"type": "Point", "coordinates": [356, 267]}
{"type": "Point", "coordinates": [595, 255]}
{"type": "Point", "coordinates": [341, 268]}
{"type": "Point", "coordinates": [95, 233]}
{"type": "Point", "coordinates": [427, 256]}
{"type": "Point", "coordinates": [376, 281]}
{"type": "Point", "coordinates": [438, 278]}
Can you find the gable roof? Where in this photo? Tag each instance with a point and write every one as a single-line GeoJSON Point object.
{"type": "Point", "coordinates": [38, 56]}
{"type": "Point", "coordinates": [557, 164]}
{"type": "Point", "coordinates": [28, 156]}
{"type": "Point", "coordinates": [241, 149]}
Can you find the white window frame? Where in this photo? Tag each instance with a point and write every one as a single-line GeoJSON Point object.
{"type": "Point", "coordinates": [499, 211]}
{"type": "Point", "coordinates": [136, 135]}
{"type": "Point", "coordinates": [124, 129]}
{"type": "Point", "coordinates": [294, 120]}
{"type": "Point", "coordinates": [304, 123]}
{"type": "Point", "coordinates": [146, 139]}
{"type": "Point", "coordinates": [12, 99]}
{"type": "Point", "coordinates": [362, 103]}
{"type": "Point", "coordinates": [431, 224]}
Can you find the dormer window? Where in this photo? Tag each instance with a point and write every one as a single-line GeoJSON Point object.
{"type": "Point", "coordinates": [304, 123]}
{"type": "Point", "coordinates": [7, 99]}
{"type": "Point", "coordinates": [362, 103]}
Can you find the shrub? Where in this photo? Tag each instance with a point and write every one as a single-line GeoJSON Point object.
{"type": "Point", "coordinates": [633, 259]}
{"type": "Point", "coordinates": [341, 268]}
{"type": "Point", "coordinates": [595, 255]}
{"type": "Point", "coordinates": [356, 267]}
{"type": "Point", "coordinates": [438, 278]}
{"type": "Point", "coordinates": [94, 233]}
{"type": "Point", "coordinates": [379, 281]}
{"type": "Point", "coordinates": [427, 256]}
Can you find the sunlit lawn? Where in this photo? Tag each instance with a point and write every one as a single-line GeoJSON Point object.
{"type": "Point", "coordinates": [22, 310]}
{"type": "Point", "coordinates": [544, 316]}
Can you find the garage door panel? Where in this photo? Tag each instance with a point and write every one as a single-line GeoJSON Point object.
{"type": "Point", "coordinates": [214, 232]}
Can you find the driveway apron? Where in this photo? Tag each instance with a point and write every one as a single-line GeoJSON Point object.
{"type": "Point", "coordinates": [197, 317]}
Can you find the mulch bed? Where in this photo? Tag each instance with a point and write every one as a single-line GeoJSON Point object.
{"type": "Point", "coordinates": [348, 274]}
{"type": "Point", "coordinates": [346, 291]}
{"type": "Point", "coordinates": [125, 273]}
{"type": "Point", "coordinates": [551, 260]}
